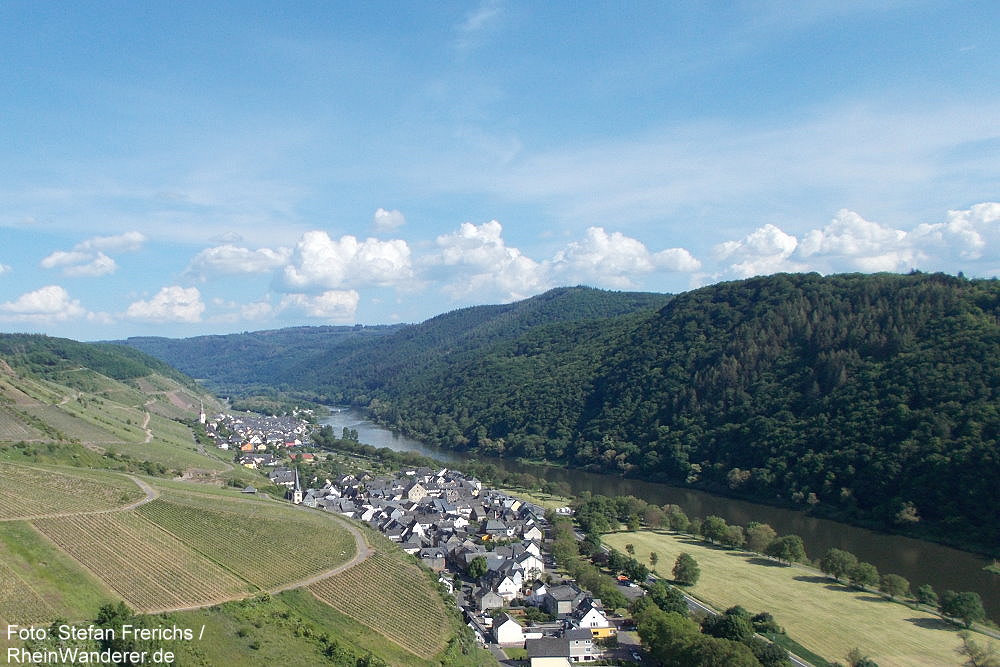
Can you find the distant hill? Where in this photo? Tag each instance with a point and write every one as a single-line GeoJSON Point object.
{"type": "Point", "coordinates": [260, 358]}
{"type": "Point", "coordinates": [870, 398]}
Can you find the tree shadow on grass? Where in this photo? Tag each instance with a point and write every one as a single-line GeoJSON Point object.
{"type": "Point", "coordinates": [871, 598]}
{"type": "Point", "coordinates": [813, 579]}
{"type": "Point", "coordinates": [932, 623]}
{"type": "Point", "coordinates": [767, 562]}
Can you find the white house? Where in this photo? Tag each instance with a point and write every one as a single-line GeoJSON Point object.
{"type": "Point", "coordinates": [508, 632]}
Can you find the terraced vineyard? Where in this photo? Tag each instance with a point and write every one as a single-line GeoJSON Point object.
{"type": "Point", "coordinates": [392, 598]}
{"type": "Point", "coordinates": [148, 567]}
{"type": "Point", "coordinates": [30, 491]}
{"type": "Point", "coordinates": [13, 428]}
{"type": "Point", "coordinates": [268, 545]}
{"type": "Point", "coordinates": [18, 601]}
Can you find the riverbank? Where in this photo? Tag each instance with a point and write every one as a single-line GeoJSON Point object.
{"type": "Point", "coordinates": [919, 561]}
{"type": "Point", "coordinates": [826, 617]}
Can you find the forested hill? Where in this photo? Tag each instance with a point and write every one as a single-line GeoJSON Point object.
{"type": "Point", "coordinates": [51, 358]}
{"type": "Point", "coordinates": [872, 398]}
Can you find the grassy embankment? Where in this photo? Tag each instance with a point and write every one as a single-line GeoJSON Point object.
{"type": "Point", "coordinates": [822, 615]}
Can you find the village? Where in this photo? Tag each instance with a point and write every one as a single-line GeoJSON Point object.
{"type": "Point", "coordinates": [487, 547]}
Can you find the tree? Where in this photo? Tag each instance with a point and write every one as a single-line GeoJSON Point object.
{"type": "Point", "coordinates": [676, 518]}
{"type": "Point", "coordinates": [837, 563]}
{"type": "Point", "coordinates": [759, 535]}
{"type": "Point", "coordinates": [478, 567]}
{"type": "Point", "coordinates": [667, 597]}
{"type": "Point", "coordinates": [686, 570]}
{"type": "Point", "coordinates": [788, 548]}
{"type": "Point", "coordinates": [713, 528]}
{"type": "Point", "coordinates": [855, 658]}
{"type": "Point", "coordinates": [630, 548]}
{"type": "Point", "coordinates": [894, 585]}
{"type": "Point", "coordinates": [978, 655]}
{"type": "Point", "coordinates": [654, 558]}
{"type": "Point", "coordinates": [967, 606]}
{"type": "Point", "coordinates": [733, 537]}
{"type": "Point", "coordinates": [927, 596]}
{"type": "Point", "coordinates": [736, 627]}
{"type": "Point", "coordinates": [654, 516]}
{"type": "Point", "coordinates": [863, 574]}
{"type": "Point", "coordinates": [764, 623]}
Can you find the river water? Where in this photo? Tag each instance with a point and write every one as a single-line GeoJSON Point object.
{"type": "Point", "coordinates": [920, 562]}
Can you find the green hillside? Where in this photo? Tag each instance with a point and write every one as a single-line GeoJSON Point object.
{"type": "Point", "coordinates": [80, 529]}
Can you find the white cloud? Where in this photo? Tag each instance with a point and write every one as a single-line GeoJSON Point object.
{"type": "Point", "coordinates": [481, 264]}
{"type": "Point", "coordinates": [387, 221]}
{"type": "Point", "coordinates": [231, 259]}
{"type": "Point", "coordinates": [321, 262]}
{"type": "Point", "coordinates": [336, 306]}
{"type": "Point", "coordinates": [171, 304]}
{"type": "Point", "coordinates": [87, 258]}
{"type": "Point", "coordinates": [615, 260]}
{"type": "Point", "coordinates": [5, 268]}
{"type": "Point", "coordinates": [763, 251]}
{"type": "Point", "coordinates": [51, 303]}
{"type": "Point", "coordinates": [127, 242]}
{"type": "Point", "coordinates": [852, 242]}
{"type": "Point", "coordinates": [966, 234]}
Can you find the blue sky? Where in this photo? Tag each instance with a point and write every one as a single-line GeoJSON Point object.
{"type": "Point", "coordinates": [186, 168]}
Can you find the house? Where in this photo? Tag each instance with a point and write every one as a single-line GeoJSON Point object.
{"type": "Point", "coordinates": [433, 558]}
{"type": "Point", "coordinates": [508, 632]}
{"type": "Point", "coordinates": [590, 616]}
{"type": "Point", "coordinates": [548, 652]}
{"type": "Point", "coordinates": [581, 645]}
{"type": "Point", "coordinates": [560, 601]}
{"type": "Point", "coordinates": [488, 599]}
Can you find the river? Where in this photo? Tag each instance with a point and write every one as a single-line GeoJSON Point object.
{"type": "Point", "coordinates": [920, 562]}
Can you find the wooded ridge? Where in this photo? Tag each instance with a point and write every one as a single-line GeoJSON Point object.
{"type": "Point", "coordinates": [870, 398]}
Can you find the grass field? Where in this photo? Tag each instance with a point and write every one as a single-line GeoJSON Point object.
{"type": "Point", "coordinates": [30, 491]}
{"type": "Point", "coordinates": [824, 616]}
{"type": "Point", "coordinates": [41, 582]}
{"type": "Point", "coordinates": [392, 597]}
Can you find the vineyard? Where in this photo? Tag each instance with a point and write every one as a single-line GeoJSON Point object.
{"type": "Point", "coordinates": [18, 601]}
{"type": "Point", "coordinates": [394, 598]}
{"type": "Point", "coordinates": [29, 491]}
{"type": "Point", "coordinates": [265, 544]}
{"type": "Point", "coordinates": [148, 567]}
{"type": "Point", "coordinates": [14, 428]}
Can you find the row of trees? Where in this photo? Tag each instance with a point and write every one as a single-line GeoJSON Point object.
{"type": "Point", "coordinates": [843, 565]}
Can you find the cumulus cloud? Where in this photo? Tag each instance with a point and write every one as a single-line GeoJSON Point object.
{"type": "Point", "coordinates": [615, 260]}
{"type": "Point", "coordinates": [850, 240]}
{"type": "Point", "coordinates": [336, 306]}
{"type": "Point", "coordinates": [482, 264]}
{"type": "Point", "coordinates": [171, 304]}
{"type": "Point", "coordinates": [387, 221]}
{"type": "Point", "coordinates": [852, 243]}
{"type": "Point", "coordinates": [965, 235]}
{"type": "Point", "coordinates": [763, 251]}
{"type": "Point", "coordinates": [88, 259]}
{"type": "Point", "coordinates": [51, 303]}
{"type": "Point", "coordinates": [230, 259]}
{"type": "Point", "coordinates": [78, 263]}
{"type": "Point", "coordinates": [322, 262]}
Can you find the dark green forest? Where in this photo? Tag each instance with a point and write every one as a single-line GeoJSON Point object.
{"type": "Point", "coordinates": [869, 398]}
{"type": "Point", "coordinates": [50, 357]}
